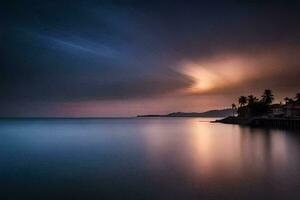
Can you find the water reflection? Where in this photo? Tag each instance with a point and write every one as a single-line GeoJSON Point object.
{"type": "Point", "coordinates": [146, 159]}
{"type": "Point", "coordinates": [208, 155]}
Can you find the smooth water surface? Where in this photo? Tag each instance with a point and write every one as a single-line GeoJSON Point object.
{"type": "Point", "coordinates": [150, 158]}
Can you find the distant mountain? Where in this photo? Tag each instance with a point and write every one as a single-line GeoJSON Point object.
{"type": "Point", "coordinates": [210, 113]}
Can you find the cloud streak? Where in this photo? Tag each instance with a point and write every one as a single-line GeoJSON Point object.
{"type": "Point", "coordinates": [164, 55]}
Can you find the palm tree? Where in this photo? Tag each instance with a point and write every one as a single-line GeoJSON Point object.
{"type": "Point", "coordinates": [297, 98]}
{"type": "Point", "coordinates": [267, 97]}
{"type": "Point", "coordinates": [242, 100]}
{"type": "Point", "coordinates": [288, 100]}
{"type": "Point", "coordinates": [233, 108]}
{"type": "Point", "coordinates": [252, 99]}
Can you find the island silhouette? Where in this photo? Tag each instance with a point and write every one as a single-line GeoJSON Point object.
{"type": "Point", "coordinates": [210, 113]}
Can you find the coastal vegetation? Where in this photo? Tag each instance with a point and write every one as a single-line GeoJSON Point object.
{"type": "Point", "coordinates": [262, 112]}
{"type": "Point", "coordinates": [251, 106]}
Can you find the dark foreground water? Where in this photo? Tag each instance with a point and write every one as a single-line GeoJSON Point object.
{"type": "Point", "coordinates": [165, 159]}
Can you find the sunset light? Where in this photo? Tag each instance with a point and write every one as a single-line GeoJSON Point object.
{"type": "Point", "coordinates": [204, 79]}
{"type": "Point", "coordinates": [149, 100]}
{"type": "Point", "coordinates": [216, 73]}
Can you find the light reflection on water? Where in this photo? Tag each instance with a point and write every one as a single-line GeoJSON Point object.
{"type": "Point", "coordinates": [146, 159]}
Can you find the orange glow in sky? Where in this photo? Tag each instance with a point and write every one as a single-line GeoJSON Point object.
{"type": "Point", "coordinates": [216, 73]}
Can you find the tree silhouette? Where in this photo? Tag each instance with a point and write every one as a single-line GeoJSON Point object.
{"type": "Point", "coordinates": [252, 99]}
{"type": "Point", "coordinates": [233, 108]}
{"type": "Point", "coordinates": [288, 100]}
{"type": "Point", "coordinates": [297, 98]}
{"type": "Point", "coordinates": [242, 100]}
{"type": "Point", "coordinates": [267, 97]}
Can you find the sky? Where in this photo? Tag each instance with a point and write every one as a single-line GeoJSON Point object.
{"type": "Point", "coordinates": [124, 58]}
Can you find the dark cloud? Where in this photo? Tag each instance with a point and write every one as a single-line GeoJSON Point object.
{"type": "Point", "coordinates": [76, 51]}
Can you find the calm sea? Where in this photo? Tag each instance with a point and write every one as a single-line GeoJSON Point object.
{"type": "Point", "coordinates": [150, 158]}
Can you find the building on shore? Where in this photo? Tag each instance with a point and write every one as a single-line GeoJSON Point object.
{"type": "Point", "coordinates": [277, 110]}
{"type": "Point", "coordinates": [292, 110]}
{"type": "Point", "coordinates": [288, 110]}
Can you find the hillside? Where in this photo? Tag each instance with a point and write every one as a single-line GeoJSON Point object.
{"type": "Point", "coordinates": [210, 113]}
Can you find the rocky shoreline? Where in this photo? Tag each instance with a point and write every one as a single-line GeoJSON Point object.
{"type": "Point", "coordinates": [235, 120]}
{"type": "Point", "coordinates": [281, 123]}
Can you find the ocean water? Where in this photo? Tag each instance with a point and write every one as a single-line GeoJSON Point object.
{"type": "Point", "coordinates": [146, 158]}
